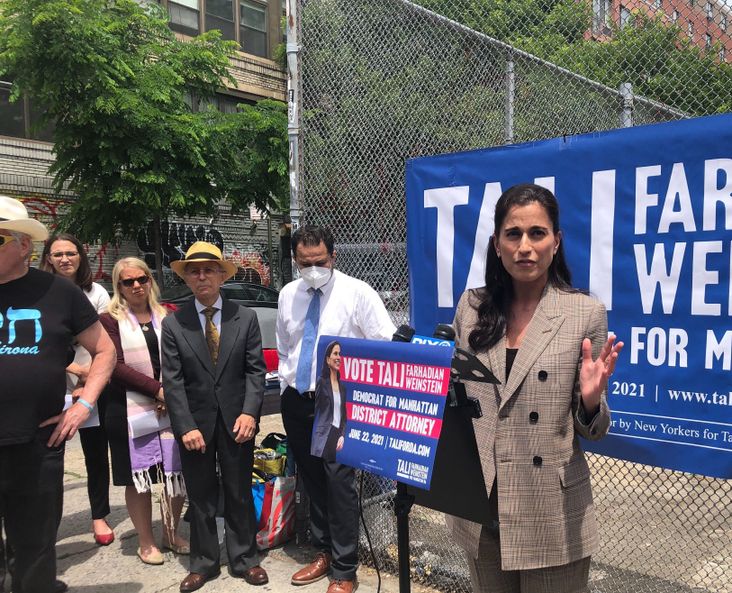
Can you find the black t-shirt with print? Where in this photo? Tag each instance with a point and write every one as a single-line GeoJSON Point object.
{"type": "Point", "coordinates": [40, 314]}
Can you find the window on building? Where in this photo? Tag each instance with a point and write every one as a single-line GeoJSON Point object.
{"type": "Point", "coordinates": [12, 115]}
{"type": "Point", "coordinates": [722, 54]}
{"type": "Point", "coordinates": [657, 4]}
{"type": "Point", "coordinates": [626, 17]}
{"type": "Point", "coordinates": [21, 119]}
{"type": "Point", "coordinates": [707, 41]}
{"type": "Point", "coordinates": [601, 15]}
{"type": "Point", "coordinates": [708, 10]}
{"type": "Point", "coordinates": [723, 22]}
{"type": "Point", "coordinates": [253, 27]}
{"type": "Point", "coordinates": [220, 15]}
{"type": "Point", "coordinates": [184, 16]}
{"type": "Point", "coordinates": [220, 102]}
{"type": "Point", "coordinates": [675, 16]}
{"type": "Point", "coordinates": [692, 2]}
{"type": "Point", "coordinates": [249, 27]}
{"type": "Point", "coordinates": [284, 17]}
{"type": "Point", "coordinates": [37, 129]}
{"type": "Point", "coordinates": [690, 28]}
{"type": "Point", "coordinates": [227, 103]}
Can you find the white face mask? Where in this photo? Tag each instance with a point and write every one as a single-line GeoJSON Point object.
{"type": "Point", "coordinates": [316, 276]}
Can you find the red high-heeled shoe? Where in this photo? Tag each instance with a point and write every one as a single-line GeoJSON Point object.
{"type": "Point", "coordinates": [104, 539]}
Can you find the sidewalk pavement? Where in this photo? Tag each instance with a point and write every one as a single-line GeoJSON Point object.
{"type": "Point", "coordinates": [89, 568]}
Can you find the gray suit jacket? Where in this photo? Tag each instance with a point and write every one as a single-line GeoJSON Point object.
{"type": "Point", "coordinates": [527, 436]}
{"type": "Point", "coordinates": [194, 389]}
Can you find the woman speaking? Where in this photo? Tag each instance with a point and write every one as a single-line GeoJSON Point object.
{"type": "Point", "coordinates": [548, 345]}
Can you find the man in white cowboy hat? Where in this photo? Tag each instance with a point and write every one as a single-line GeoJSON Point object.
{"type": "Point", "coordinates": [41, 315]}
{"type": "Point", "coordinates": [213, 380]}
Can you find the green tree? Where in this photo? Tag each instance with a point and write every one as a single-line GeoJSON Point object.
{"type": "Point", "coordinates": [130, 139]}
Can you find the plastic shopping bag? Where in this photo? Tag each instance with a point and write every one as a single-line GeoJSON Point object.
{"type": "Point", "coordinates": [277, 523]}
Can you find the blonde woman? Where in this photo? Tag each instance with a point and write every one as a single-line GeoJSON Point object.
{"type": "Point", "coordinates": [135, 393]}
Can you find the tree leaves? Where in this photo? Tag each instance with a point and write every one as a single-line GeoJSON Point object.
{"type": "Point", "coordinates": [118, 84]}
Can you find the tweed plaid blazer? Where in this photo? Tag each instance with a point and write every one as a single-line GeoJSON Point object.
{"type": "Point", "coordinates": [527, 436]}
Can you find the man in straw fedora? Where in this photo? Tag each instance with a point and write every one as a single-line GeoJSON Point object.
{"type": "Point", "coordinates": [213, 380]}
{"type": "Point", "coordinates": [41, 315]}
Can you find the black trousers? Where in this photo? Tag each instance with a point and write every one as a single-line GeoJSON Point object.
{"type": "Point", "coordinates": [331, 487]}
{"type": "Point", "coordinates": [96, 458]}
{"type": "Point", "coordinates": [31, 503]}
{"type": "Point", "coordinates": [199, 470]}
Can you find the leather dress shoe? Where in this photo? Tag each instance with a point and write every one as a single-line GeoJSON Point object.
{"type": "Point", "coordinates": [314, 571]}
{"type": "Point", "coordinates": [341, 586]}
{"type": "Point", "coordinates": [255, 576]}
{"type": "Point", "coordinates": [194, 581]}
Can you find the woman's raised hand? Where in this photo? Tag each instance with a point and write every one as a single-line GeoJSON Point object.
{"type": "Point", "coordinates": [594, 373]}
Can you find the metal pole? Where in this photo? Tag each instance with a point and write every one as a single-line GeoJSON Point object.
{"type": "Point", "coordinates": [626, 116]}
{"type": "Point", "coordinates": [293, 107]}
{"type": "Point", "coordinates": [510, 98]}
{"type": "Point", "coordinates": [402, 506]}
{"type": "Point", "coordinates": [293, 112]}
{"type": "Point", "coordinates": [269, 250]}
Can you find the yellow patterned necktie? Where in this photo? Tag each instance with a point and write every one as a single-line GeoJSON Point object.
{"type": "Point", "coordinates": [212, 334]}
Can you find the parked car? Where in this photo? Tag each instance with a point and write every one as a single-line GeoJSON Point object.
{"type": "Point", "coordinates": [263, 301]}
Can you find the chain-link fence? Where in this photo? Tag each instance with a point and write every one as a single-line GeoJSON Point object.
{"type": "Point", "coordinates": [382, 81]}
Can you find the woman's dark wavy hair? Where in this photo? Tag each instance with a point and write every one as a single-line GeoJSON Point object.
{"type": "Point", "coordinates": [325, 371]}
{"type": "Point", "coordinates": [83, 274]}
{"type": "Point", "coordinates": [494, 300]}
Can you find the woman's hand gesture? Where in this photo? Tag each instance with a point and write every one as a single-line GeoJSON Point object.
{"type": "Point", "coordinates": [594, 373]}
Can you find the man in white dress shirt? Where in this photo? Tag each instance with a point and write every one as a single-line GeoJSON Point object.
{"type": "Point", "coordinates": [323, 301]}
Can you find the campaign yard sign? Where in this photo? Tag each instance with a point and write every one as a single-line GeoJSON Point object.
{"type": "Point", "coordinates": [395, 400]}
{"type": "Point", "coordinates": [646, 215]}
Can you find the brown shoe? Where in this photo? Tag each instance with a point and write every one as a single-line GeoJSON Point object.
{"type": "Point", "coordinates": [194, 581]}
{"type": "Point", "coordinates": [314, 571]}
{"type": "Point", "coordinates": [255, 576]}
{"type": "Point", "coordinates": [340, 586]}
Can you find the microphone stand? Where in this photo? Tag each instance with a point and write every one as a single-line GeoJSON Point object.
{"type": "Point", "coordinates": [403, 501]}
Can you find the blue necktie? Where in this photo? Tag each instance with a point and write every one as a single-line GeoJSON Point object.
{"type": "Point", "coordinates": [310, 332]}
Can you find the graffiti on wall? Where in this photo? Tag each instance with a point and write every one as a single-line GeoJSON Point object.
{"type": "Point", "coordinates": [101, 256]}
{"type": "Point", "coordinates": [177, 237]}
{"type": "Point", "coordinates": [251, 262]}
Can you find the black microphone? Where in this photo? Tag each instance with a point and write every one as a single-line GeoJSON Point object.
{"type": "Point", "coordinates": [403, 333]}
{"type": "Point", "coordinates": [456, 394]}
{"type": "Point", "coordinates": [443, 331]}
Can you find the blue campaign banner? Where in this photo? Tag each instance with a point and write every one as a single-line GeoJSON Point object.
{"type": "Point", "coordinates": [646, 214]}
{"type": "Point", "coordinates": [390, 398]}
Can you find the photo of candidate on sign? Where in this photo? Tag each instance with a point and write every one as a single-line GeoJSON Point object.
{"type": "Point", "coordinates": [330, 406]}
{"type": "Point", "coordinates": [379, 406]}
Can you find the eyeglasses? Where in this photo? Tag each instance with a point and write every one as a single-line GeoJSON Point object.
{"type": "Point", "coordinates": [130, 282]}
{"type": "Point", "coordinates": [206, 271]}
{"type": "Point", "coordinates": [5, 239]}
{"type": "Point", "coordinates": [62, 254]}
